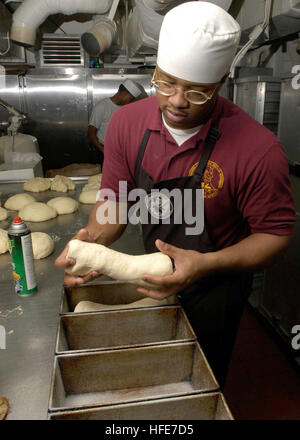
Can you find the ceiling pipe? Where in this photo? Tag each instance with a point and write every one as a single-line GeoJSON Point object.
{"type": "Point", "coordinates": [32, 13]}
{"type": "Point", "coordinates": [100, 37]}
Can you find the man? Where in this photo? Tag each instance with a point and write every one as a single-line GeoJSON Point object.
{"type": "Point", "coordinates": [188, 138]}
{"type": "Point", "coordinates": [102, 112]}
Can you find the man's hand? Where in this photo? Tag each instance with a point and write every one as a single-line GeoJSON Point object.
{"type": "Point", "coordinates": [255, 252]}
{"type": "Point", "coordinates": [62, 262]}
{"type": "Point", "coordinates": [189, 267]}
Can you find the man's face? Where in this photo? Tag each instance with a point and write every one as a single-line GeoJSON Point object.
{"type": "Point", "coordinates": [177, 111]}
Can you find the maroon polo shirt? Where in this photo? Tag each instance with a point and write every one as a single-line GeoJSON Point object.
{"type": "Point", "coordinates": [246, 181]}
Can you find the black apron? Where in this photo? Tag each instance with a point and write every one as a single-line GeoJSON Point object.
{"type": "Point", "coordinates": [213, 305]}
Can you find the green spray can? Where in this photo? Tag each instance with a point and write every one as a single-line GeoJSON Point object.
{"type": "Point", "coordinates": [20, 248]}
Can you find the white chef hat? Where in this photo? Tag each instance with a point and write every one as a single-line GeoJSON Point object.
{"type": "Point", "coordinates": [132, 87]}
{"type": "Point", "coordinates": [197, 42]}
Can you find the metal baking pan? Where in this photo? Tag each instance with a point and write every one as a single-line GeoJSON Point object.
{"type": "Point", "coordinates": [130, 374]}
{"type": "Point", "coordinates": [210, 406]}
{"type": "Point", "coordinates": [120, 328]}
{"type": "Point", "coordinates": [107, 292]}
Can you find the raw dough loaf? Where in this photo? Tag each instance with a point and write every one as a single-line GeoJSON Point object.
{"type": "Point", "coordinates": [18, 201]}
{"type": "Point", "coordinates": [3, 241]}
{"type": "Point", "coordinates": [3, 214]}
{"type": "Point", "coordinates": [90, 187]}
{"type": "Point", "coordinates": [62, 184]}
{"type": "Point", "coordinates": [37, 212]}
{"type": "Point", "coordinates": [89, 306]}
{"type": "Point", "coordinates": [63, 205]}
{"type": "Point", "coordinates": [37, 184]}
{"type": "Point", "coordinates": [96, 179]}
{"type": "Point", "coordinates": [42, 245]}
{"type": "Point", "coordinates": [116, 265]}
{"type": "Point", "coordinates": [88, 197]}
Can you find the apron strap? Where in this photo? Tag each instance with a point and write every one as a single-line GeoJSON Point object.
{"type": "Point", "coordinates": [210, 141]}
{"type": "Point", "coordinates": [141, 152]}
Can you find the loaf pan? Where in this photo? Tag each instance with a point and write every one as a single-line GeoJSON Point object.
{"type": "Point", "coordinates": [210, 406]}
{"type": "Point", "coordinates": [107, 292]}
{"type": "Point", "coordinates": [131, 374]}
{"type": "Point", "coordinates": [116, 329]}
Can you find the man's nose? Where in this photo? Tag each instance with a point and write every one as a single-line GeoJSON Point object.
{"type": "Point", "coordinates": [178, 99]}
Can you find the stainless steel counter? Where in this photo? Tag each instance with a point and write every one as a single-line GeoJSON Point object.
{"type": "Point", "coordinates": [30, 323]}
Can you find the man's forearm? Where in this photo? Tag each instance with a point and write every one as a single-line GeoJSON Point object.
{"type": "Point", "coordinates": [109, 232]}
{"type": "Point", "coordinates": [252, 253]}
{"type": "Point", "coordinates": [92, 134]}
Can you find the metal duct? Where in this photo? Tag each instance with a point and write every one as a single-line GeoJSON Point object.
{"type": "Point", "coordinates": [145, 21]}
{"type": "Point", "coordinates": [32, 13]}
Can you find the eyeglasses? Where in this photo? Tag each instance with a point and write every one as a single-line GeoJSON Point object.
{"type": "Point", "coordinates": [192, 96]}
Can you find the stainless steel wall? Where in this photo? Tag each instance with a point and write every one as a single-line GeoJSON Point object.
{"type": "Point", "coordinates": [59, 103]}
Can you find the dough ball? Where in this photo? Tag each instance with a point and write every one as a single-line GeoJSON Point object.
{"type": "Point", "coordinates": [3, 214]}
{"type": "Point", "coordinates": [18, 201]}
{"type": "Point", "coordinates": [63, 205]}
{"type": "Point", "coordinates": [37, 212]}
{"type": "Point", "coordinates": [90, 187]}
{"type": "Point", "coordinates": [96, 178]}
{"type": "Point", "coordinates": [3, 241]}
{"type": "Point", "coordinates": [37, 184]}
{"type": "Point", "coordinates": [42, 245]}
{"type": "Point", "coordinates": [62, 184]}
{"type": "Point", "coordinates": [88, 197]}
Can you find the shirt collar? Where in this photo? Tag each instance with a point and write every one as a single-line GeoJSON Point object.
{"type": "Point", "coordinates": [157, 124]}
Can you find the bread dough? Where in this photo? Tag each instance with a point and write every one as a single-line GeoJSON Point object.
{"type": "Point", "coordinates": [62, 184]}
{"type": "Point", "coordinates": [116, 265]}
{"type": "Point", "coordinates": [88, 197]}
{"type": "Point", "coordinates": [3, 214]}
{"type": "Point", "coordinates": [42, 245]}
{"type": "Point", "coordinates": [89, 306]}
{"type": "Point", "coordinates": [90, 187]}
{"type": "Point", "coordinates": [37, 212]}
{"type": "Point", "coordinates": [37, 184]}
{"type": "Point", "coordinates": [63, 205]}
{"type": "Point", "coordinates": [95, 179]}
{"type": "Point", "coordinates": [3, 241]}
{"type": "Point", "coordinates": [18, 201]}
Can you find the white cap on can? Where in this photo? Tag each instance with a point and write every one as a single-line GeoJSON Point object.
{"type": "Point", "coordinates": [197, 42]}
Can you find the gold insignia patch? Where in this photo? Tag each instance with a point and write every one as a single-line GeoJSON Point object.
{"type": "Point", "coordinates": [213, 179]}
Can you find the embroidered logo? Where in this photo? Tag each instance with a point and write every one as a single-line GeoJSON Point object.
{"type": "Point", "coordinates": [213, 179]}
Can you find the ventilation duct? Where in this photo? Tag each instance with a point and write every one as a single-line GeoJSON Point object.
{"type": "Point", "coordinates": [32, 13]}
{"type": "Point", "coordinates": [61, 50]}
{"type": "Point", "coordinates": [145, 21]}
{"type": "Point", "coordinates": [101, 35]}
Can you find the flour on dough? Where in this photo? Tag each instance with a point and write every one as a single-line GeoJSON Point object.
{"type": "Point", "coordinates": [42, 245]}
{"type": "Point", "coordinates": [37, 184]}
{"type": "Point", "coordinates": [3, 214]}
{"type": "Point", "coordinates": [3, 241]}
{"type": "Point", "coordinates": [63, 205]}
{"type": "Point", "coordinates": [37, 212]}
{"type": "Point", "coordinates": [18, 201]}
{"type": "Point", "coordinates": [62, 184]}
